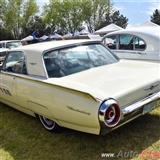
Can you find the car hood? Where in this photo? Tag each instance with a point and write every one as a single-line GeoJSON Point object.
{"type": "Point", "coordinates": [126, 81]}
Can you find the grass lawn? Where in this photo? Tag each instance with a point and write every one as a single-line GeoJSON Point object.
{"type": "Point", "coordinates": [23, 138]}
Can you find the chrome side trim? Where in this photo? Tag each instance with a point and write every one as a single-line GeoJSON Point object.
{"type": "Point", "coordinates": [141, 103]}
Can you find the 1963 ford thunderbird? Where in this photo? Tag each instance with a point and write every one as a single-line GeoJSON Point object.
{"type": "Point", "coordinates": [78, 84]}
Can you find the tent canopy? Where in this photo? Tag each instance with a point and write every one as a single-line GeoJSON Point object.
{"type": "Point", "coordinates": [149, 24]}
{"type": "Point", "coordinates": [43, 38]}
{"type": "Point", "coordinates": [55, 36]}
{"type": "Point", "coordinates": [110, 28]}
{"type": "Point", "coordinates": [84, 32]}
{"type": "Point", "coordinates": [146, 24]}
{"type": "Point", "coordinates": [28, 38]}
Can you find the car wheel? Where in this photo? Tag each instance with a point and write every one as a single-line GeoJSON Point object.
{"type": "Point", "coordinates": [49, 124]}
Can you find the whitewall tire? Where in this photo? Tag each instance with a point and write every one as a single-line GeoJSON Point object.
{"type": "Point", "coordinates": [49, 124]}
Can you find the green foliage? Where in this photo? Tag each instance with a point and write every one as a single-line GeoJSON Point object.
{"type": "Point", "coordinates": [155, 18]}
{"type": "Point", "coordinates": [5, 35]}
{"type": "Point", "coordinates": [97, 13]}
{"type": "Point", "coordinates": [2, 8]}
{"type": "Point", "coordinates": [115, 18]}
{"type": "Point", "coordinates": [18, 18]}
{"type": "Point", "coordinates": [17, 15]}
{"type": "Point", "coordinates": [36, 23]}
{"type": "Point", "coordinates": [69, 15]}
{"type": "Point", "coordinates": [66, 15]}
{"type": "Point", "coordinates": [30, 9]}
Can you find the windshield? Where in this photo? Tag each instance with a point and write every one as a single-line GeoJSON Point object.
{"type": "Point", "coordinates": [13, 44]}
{"type": "Point", "coordinates": [64, 62]}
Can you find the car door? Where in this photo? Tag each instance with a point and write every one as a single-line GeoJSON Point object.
{"type": "Point", "coordinates": [12, 67]}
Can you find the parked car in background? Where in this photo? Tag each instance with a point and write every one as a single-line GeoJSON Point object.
{"type": "Point", "coordinates": [141, 43]}
{"type": "Point", "coordinates": [3, 53]}
{"type": "Point", "coordinates": [78, 84]}
{"type": "Point", "coordinates": [10, 44]}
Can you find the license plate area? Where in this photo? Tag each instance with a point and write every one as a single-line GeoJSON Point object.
{"type": "Point", "coordinates": [150, 106]}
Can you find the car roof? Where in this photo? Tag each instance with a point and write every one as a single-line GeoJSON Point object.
{"type": "Point", "coordinates": [147, 31]}
{"type": "Point", "coordinates": [5, 41]}
{"type": "Point", "coordinates": [45, 46]}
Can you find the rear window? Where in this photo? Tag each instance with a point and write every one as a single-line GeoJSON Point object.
{"type": "Point", "coordinates": [139, 43]}
{"type": "Point", "coordinates": [72, 60]}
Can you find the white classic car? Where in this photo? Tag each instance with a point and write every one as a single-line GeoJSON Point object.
{"type": "Point", "coordinates": [78, 84]}
{"type": "Point", "coordinates": [141, 43]}
{"type": "Point", "coordinates": [10, 44]}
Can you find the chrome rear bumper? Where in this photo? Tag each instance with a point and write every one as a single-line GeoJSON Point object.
{"type": "Point", "coordinates": [133, 111]}
{"type": "Point", "coordinates": [139, 104]}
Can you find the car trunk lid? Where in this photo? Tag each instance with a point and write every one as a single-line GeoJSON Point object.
{"type": "Point", "coordinates": [127, 81]}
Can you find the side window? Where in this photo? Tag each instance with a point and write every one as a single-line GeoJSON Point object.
{"type": "Point", "coordinates": [139, 43]}
{"type": "Point", "coordinates": [111, 42]}
{"type": "Point", "coordinates": [15, 63]}
{"type": "Point", "coordinates": [126, 42]}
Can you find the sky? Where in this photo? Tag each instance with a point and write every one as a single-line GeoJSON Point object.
{"type": "Point", "coordinates": [137, 11]}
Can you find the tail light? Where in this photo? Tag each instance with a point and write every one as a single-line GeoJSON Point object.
{"type": "Point", "coordinates": [110, 113]}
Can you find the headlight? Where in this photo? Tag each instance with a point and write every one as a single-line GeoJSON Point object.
{"type": "Point", "coordinates": [110, 113]}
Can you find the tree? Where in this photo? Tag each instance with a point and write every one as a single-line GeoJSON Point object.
{"type": "Point", "coordinates": [69, 15]}
{"type": "Point", "coordinates": [64, 15]}
{"type": "Point", "coordinates": [2, 7]}
{"type": "Point", "coordinates": [17, 15]}
{"type": "Point", "coordinates": [37, 24]}
{"type": "Point", "coordinates": [115, 18]}
{"type": "Point", "coordinates": [155, 18]}
{"type": "Point", "coordinates": [4, 34]}
{"type": "Point", "coordinates": [97, 13]}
